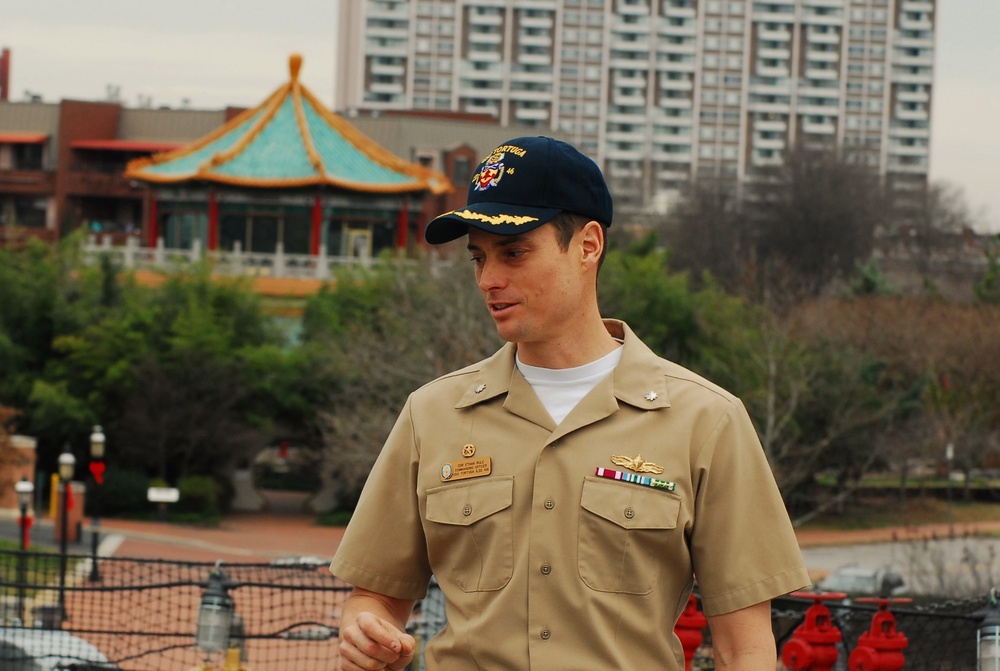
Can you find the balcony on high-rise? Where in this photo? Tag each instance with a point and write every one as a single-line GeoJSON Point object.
{"type": "Point", "coordinates": [775, 33]}
{"type": "Point", "coordinates": [824, 127]}
{"type": "Point", "coordinates": [920, 95]}
{"type": "Point", "coordinates": [915, 21]}
{"type": "Point", "coordinates": [816, 36]}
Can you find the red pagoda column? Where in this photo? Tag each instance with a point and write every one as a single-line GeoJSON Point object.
{"type": "Point", "coordinates": [154, 220]}
{"type": "Point", "coordinates": [213, 221]}
{"type": "Point", "coordinates": [403, 225]}
{"type": "Point", "coordinates": [316, 237]}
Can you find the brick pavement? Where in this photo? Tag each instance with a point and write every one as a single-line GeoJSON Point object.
{"type": "Point", "coordinates": [288, 532]}
{"type": "Point", "coordinates": [244, 537]}
{"type": "Point", "coordinates": [285, 531]}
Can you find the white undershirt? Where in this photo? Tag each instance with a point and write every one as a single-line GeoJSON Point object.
{"type": "Point", "coordinates": [560, 389]}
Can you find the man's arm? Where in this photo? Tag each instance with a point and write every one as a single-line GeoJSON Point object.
{"type": "Point", "coordinates": [743, 640]}
{"type": "Point", "coordinates": [372, 632]}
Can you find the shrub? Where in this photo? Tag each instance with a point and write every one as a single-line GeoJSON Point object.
{"type": "Point", "coordinates": [199, 495]}
{"type": "Point", "coordinates": [123, 493]}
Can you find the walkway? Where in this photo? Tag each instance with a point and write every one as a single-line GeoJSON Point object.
{"type": "Point", "coordinates": [285, 531]}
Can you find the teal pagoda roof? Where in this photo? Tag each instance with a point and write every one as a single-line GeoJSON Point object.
{"type": "Point", "coordinates": [290, 140]}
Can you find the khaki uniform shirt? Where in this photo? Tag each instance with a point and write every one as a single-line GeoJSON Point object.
{"type": "Point", "coordinates": [546, 566]}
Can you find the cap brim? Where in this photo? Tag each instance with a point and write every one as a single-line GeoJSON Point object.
{"type": "Point", "coordinates": [497, 218]}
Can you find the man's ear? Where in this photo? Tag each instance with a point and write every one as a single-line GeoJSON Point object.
{"type": "Point", "coordinates": [592, 242]}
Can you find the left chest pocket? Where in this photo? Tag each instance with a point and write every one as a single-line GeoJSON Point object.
{"type": "Point", "coordinates": [626, 535]}
{"type": "Point", "coordinates": [470, 533]}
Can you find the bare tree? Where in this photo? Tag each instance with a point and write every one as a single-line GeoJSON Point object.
{"type": "Point", "coordinates": [708, 232]}
{"type": "Point", "coordinates": [815, 216]}
{"type": "Point", "coordinates": [428, 321]}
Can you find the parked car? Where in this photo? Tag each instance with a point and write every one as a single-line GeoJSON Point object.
{"type": "Point", "coordinates": [864, 581]}
{"type": "Point", "coordinates": [48, 650]}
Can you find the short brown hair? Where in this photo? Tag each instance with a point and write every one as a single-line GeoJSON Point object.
{"type": "Point", "coordinates": [569, 223]}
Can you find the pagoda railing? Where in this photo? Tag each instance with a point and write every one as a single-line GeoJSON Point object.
{"type": "Point", "coordinates": [280, 264]}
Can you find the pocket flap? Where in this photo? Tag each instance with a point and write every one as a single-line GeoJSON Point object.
{"type": "Point", "coordinates": [630, 506]}
{"type": "Point", "coordinates": [465, 504]}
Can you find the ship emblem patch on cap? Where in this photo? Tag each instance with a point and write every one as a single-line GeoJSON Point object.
{"type": "Point", "coordinates": [491, 172]}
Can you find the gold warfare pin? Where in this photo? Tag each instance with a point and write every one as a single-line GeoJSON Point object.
{"type": "Point", "coordinates": [637, 464]}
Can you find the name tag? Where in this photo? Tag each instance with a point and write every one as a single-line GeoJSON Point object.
{"type": "Point", "coordinates": [467, 468]}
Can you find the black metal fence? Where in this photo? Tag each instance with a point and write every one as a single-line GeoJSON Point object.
{"type": "Point", "coordinates": [141, 615]}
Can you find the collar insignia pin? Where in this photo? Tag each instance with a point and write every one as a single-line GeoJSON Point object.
{"type": "Point", "coordinates": [651, 396]}
{"type": "Point", "coordinates": [637, 464]}
{"type": "Point", "coordinates": [480, 388]}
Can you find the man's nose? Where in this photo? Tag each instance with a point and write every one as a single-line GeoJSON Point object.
{"type": "Point", "coordinates": [490, 276]}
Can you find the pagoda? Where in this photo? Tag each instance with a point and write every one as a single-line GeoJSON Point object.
{"type": "Point", "coordinates": [287, 176]}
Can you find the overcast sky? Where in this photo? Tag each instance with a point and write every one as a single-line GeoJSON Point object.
{"type": "Point", "coordinates": [214, 53]}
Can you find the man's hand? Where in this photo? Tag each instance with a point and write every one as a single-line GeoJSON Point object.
{"type": "Point", "coordinates": [374, 643]}
{"type": "Point", "coordinates": [368, 641]}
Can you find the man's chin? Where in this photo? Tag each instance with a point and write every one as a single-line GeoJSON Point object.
{"type": "Point", "coordinates": [506, 332]}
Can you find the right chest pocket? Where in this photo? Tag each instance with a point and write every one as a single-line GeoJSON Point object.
{"type": "Point", "coordinates": [470, 533]}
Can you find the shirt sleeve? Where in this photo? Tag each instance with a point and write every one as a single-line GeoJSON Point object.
{"type": "Point", "coordinates": [383, 549]}
{"type": "Point", "coordinates": [742, 544]}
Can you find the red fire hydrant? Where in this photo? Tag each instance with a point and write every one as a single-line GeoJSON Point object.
{"type": "Point", "coordinates": [881, 647]}
{"type": "Point", "coordinates": [689, 630]}
{"type": "Point", "coordinates": [813, 646]}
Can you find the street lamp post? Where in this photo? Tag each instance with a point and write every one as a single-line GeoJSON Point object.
{"type": "Point", "coordinates": [949, 455]}
{"type": "Point", "coordinates": [97, 471]}
{"type": "Point", "coordinates": [24, 490]}
{"type": "Point", "coordinates": [67, 465]}
{"type": "Point", "coordinates": [219, 628]}
{"type": "Point", "coordinates": [988, 635]}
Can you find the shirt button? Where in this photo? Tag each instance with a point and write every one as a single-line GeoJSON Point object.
{"type": "Point", "coordinates": [554, 443]}
{"type": "Point", "coordinates": [549, 504]}
{"type": "Point", "coordinates": [629, 513]}
{"type": "Point", "coordinates": [467, 510]}
{"type": "Point", "coordinates": [546, 634]}
{"type": "Point", "coordinates": [546, 569]}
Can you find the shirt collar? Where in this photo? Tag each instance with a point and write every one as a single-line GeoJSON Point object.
{"type": "Point", "coordinates": [639, 379]}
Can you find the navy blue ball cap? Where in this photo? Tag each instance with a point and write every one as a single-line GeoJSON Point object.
{"type": "Point", "coordinates": [524, 183]}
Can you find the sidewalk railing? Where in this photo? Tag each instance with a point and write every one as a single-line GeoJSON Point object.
{"type": "Point", "coordinates": [141, 615]}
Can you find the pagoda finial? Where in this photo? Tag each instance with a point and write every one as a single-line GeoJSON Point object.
{"type": "Point", "coordinates": [294, 65]}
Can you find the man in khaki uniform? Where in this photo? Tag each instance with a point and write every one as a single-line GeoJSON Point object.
{"type": "Point", "coordinates": [567, 491]}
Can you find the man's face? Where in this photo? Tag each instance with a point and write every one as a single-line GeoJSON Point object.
{"type": "Point", "coordinates": [532, 287]}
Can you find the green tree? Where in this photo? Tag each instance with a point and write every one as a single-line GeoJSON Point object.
{"type": "Point", "coordinates": [988, 288]}
{"type": "Point", "coordinates": [174, 374]}
{"type": "Point", "coordinates": [373, 338]}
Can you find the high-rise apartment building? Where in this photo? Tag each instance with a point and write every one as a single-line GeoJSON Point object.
{"type": "Point", "coordinates": [660, 91]}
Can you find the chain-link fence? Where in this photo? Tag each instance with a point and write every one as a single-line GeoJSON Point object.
{"type": "Point", "coordinates": [141, 615]}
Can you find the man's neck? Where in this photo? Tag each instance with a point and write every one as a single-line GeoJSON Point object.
{"type": "Point", "coordinates": [574, 349]}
